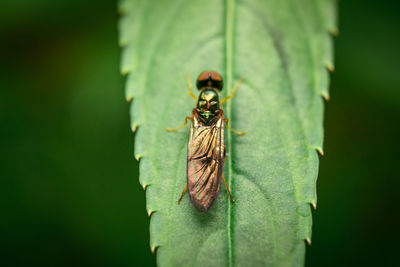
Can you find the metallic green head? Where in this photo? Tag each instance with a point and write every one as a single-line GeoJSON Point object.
{"type": "Point", "coordinates": [208, 104]}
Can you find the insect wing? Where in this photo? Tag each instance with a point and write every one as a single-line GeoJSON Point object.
{"type": "Point", "coordinates": [205, 163]}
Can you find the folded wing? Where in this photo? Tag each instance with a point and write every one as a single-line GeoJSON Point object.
{"type": "Point", "coordinates": [205, 163]}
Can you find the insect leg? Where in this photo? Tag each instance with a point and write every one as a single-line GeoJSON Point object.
{"type": "Point", "coordinates": [189, 86]}
{"type": "Point", "coordinates": [227, 189]}
{"type": "Point", "coordinates": [233, 92]}
{"type": "Point", "coordinates": [179, 127]}
{"type": "Point", "coordinates": [236, 132]}
{"type": "Point", "coordinates": [183, 193]}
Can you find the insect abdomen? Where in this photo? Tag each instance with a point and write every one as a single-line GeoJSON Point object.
{"type": "Point", "coordinates": [205, 163]}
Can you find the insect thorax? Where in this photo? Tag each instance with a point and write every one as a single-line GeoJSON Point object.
{"type": "Point", "coordinates": [208, 107]}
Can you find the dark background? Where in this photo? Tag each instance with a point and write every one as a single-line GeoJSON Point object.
{"type": "Point", "coordinates": [69, 185]}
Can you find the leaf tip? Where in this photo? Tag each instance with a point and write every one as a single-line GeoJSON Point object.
{"type": "Point", "coordinates": [121, 11]}
{"type": "Point", "coordinates": [320, 151]}
{"type": "Point", "coordinates": [125, 71]}
{"type": "Point", "coordinates": [330, 67]}
{"type": "Point", "coordinates": [326, 96]}
{"type": "Point", "coordinates": [154, 248]}
{"type": "Point", "coordinates": [145, 186]}
{"type": "Point", "coordinates": [334, 31]}
{"type": "Point", "coordinates": [122, 44]}
{"type": "Point", "coordinates": [314, 205]}
{"type": "Point", "coordinates": [150, 212]}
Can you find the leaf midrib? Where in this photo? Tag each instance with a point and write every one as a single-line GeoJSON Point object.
{"type": "Point", "coordinates": [229, 22]}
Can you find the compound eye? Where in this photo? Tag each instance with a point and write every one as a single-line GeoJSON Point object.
{"type": "Point", "coordinates": [202, 103]}
{"type": "Point", "coordinates": [213, 103]}
{"type": "Point", "coordinates": [204, 76]}
{"type": "Point", "coordinates": [215, 76]}
{"type": "Point", "coordinates": [217, 80]}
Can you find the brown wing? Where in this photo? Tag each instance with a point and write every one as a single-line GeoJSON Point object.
{"type": "Point", "coordinates": [204, 163]}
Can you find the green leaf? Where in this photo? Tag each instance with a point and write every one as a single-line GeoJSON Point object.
{"type": "Point", "coordinates": [281, 50]}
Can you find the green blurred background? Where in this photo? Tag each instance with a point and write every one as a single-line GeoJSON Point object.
{"type": "Point", "coordinates": [69, 185]}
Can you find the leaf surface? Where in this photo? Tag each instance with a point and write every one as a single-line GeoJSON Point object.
{"type": "Point", "coordinates": [281, 49]}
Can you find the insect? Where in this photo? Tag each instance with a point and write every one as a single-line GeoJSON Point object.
{"type": "Point", "coordinates": [206, 149]}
